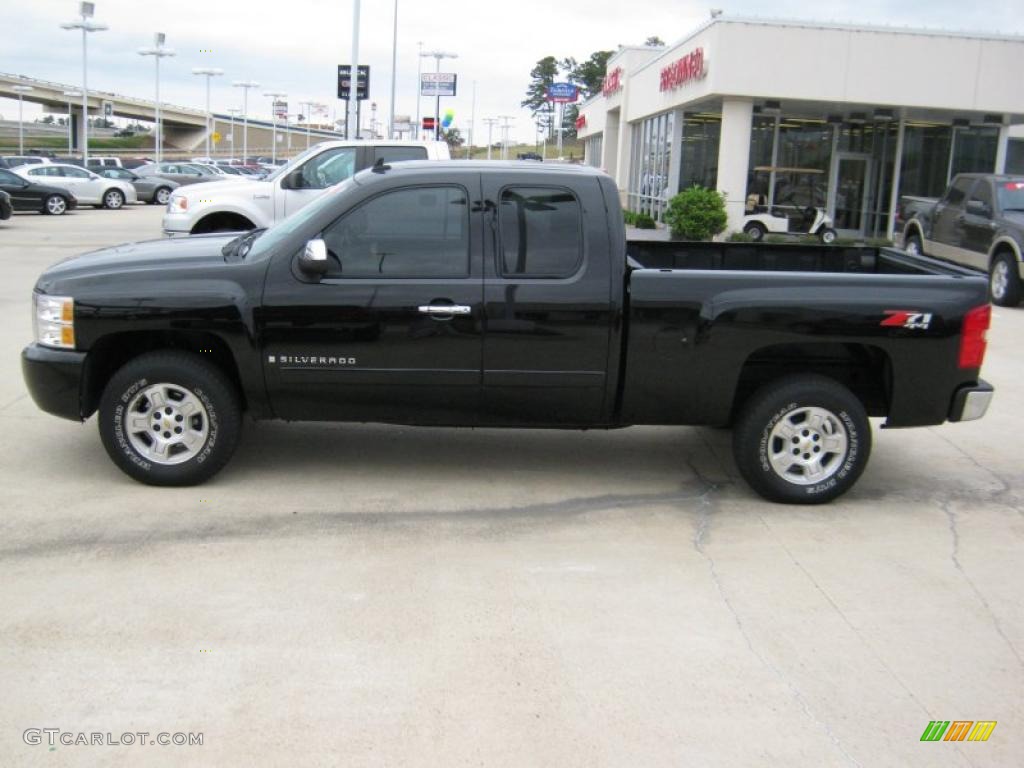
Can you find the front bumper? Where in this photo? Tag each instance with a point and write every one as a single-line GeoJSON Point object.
{"type": "Point", "coordinates": [54, 379]}
{"type": "Point", "coordinates": [971, 402]}
{"type": "Point", "coordinates": [177, 224]}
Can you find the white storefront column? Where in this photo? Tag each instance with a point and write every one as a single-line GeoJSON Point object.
{"type": "Point", "coordinates": [623, 163]}
{"type": "Point", "coordinates": [610, 144]}
{"type": "Point", "coordinates": [1001, 145]}
{"type": "Point", "coordinates": [675, 152]}
{"type": "Point", "coordinates": [734, 157]}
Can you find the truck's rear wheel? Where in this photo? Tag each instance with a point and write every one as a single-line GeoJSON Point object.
{"type": "Point", "coordinates": [756, 231]}
{"type": "Point", "coordinates": [169, 418]}
{"type": "Point", "coordinates": [1004, 281]}
{"type": "Point", "coordinates": [802, 440]}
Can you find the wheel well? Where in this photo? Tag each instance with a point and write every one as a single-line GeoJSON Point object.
{"type": "Point", "coordinates": [912, 228]}
{"type": "Point", "coordinates": [111, 352]}
{"type": "Point", "coordinates": [999, 250]}
{"type": "Point", "coordinates": [222, 222]}
{"type": "Point", "coordinates": [864, 370]}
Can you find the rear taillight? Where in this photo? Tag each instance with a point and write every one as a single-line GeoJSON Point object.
{"type": "Point", "coordinates": [972, 338]}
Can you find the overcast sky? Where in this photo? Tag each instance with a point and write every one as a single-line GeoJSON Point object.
{"type": "Point", "coordinates": [295, 45]}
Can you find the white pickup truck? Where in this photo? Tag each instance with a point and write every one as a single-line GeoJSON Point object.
{"type": "Point", "coordinates": [233, 206]}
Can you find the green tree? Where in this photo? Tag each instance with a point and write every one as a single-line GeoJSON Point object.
{"type": "Point", "coordinates": [541, 77]}
{"type": "Point", "coordinates": [454, 138]}
{"type": "Point", "coordinates": [654, 42]}
{"type": "Point", "coordinates": [589, 74]}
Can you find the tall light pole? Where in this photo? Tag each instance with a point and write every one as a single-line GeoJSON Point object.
{"type": "Point", "coordinates": [21, 89]}
{"type": "Point", "coordinates": [394, 64]}
{"type": "Point", "coordinates": [69, 95]}
{"type": "Point", "coordinates": [245, 85]}
{"type": "Point", "coordinates": [472, 123]}
{"type": "Point", "coordinates": [274, 96]}
{"type": "Point", "coordinates": [489, 122]}
{"type": "Point", "coordinates": [234, 112]}
{"type": "Point", "coordinates": [157, 51]}
{"type": "Point", "coordinates": [309, 114]}
{"type": "Point", "coordinates": [87, 25]}
{"type": "Point", "coordinates": [419, 85]}
{"type": "Point", "coordinates": [207, 72]}
{"type": "Point", "coordinates": [351, 117]}
{"type": "Point", "coordinates": [437, 56]}
{"type": "Point", "coordinates": [505, 125]}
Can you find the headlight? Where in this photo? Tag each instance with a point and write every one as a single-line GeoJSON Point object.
{"type": "Point", "coordinates": [54, 320]}
{"type": "Point", "coordinates": [177, 204]}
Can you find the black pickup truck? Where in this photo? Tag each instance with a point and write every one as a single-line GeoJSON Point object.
{"type": "Point", "coordinates": [504, 294]}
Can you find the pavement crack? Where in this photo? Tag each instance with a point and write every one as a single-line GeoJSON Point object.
{"type": "Point", "coordinates": [954, 556]}
{"type": "Point", "coordinates": [707, 507]}
{"type": "Point", "coordinates": [1005, 487]}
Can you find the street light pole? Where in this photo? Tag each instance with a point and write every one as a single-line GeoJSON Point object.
{"type": "Point", "coordinates": [274, 96]}
{"type": "Point", "coordinates": [245, 85]}
{"type": "Point", "coordinates": [489, 121]}
{"type": "Point", "coordinates": [394, 64]}
{"type": "Point", "coordinates": [352, 119]}
{"type": "Point", "coordinates": [207, 72]}
{"type": "Point", "coordinates": [419, 97]}
{"type": "Point", "coordinates": [70, 95]}
{"type": "Point", "coordinates": [87, 25]}
{"type": "Point", "coordinates": [437, 56]}
{"type": "Point", "coordinates": [20, 90]}
{"type": "Point", "coordinates": [158, 51]}
{"type": "Point", "coordinates": [233, 111]}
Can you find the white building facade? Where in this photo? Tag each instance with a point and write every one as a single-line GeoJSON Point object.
{"type": "Point", "coordinates": [804, 114]}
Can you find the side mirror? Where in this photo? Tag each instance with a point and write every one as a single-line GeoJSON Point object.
{"type": "Point", "coordinates": [313, 260]}
{"type": "Point", "coordinates": [978, 208]}
{"type": "Point", "coordinates": [293, 180]}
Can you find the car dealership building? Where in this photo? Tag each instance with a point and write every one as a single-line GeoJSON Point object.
{"type": "Point", "coordinates": [785, 113]}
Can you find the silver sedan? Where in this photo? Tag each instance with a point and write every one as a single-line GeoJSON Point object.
{"type": "Point", "coordinates": [85, 185]}
{"type": "Point", "coordinates": [151, 189]}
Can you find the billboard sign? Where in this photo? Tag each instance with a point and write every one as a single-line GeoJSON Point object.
{"type": "Point", "coordinates": [429, 124]}
{"type": "Point", "coordinates": [281, 110]}
{"type": "Point", "coordinates": [345, 82]}
{"type": "Point", "coordinates": [563, 93]}
{"type": "Point", "coordinates": [437, 84]}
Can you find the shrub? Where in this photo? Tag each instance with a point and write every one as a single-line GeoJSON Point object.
{"type": "Point", "coordinates": [696, 213]}
{"type": "Point", "coordinates": [643, 221]}
{"type": "Point", "coordinates": [739, 237]}
{"type": "Point", "coordinates": [629, 217]}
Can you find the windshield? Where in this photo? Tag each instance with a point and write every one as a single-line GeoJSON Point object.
{"type": "Point", "coordinates": [1011, 195]}
{"type": "Point", "coordinates": [300, 158]}
{"type": "Point", "coordinates": [286, 227]}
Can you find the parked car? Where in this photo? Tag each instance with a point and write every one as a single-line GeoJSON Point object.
{"type": "Point", "coordinates": [16, 161]}
{"type": "Point", "coordinates": [152, 189]}
{"type": "Point", "coordinates": [978, 222]}
{"type": "Point", "coordinates": [88, 187]}
{"type": "Point", "coordinates": [31, 196]}
{"type": "Point", "coordinates": [384, 301]}
{"type": "Point", "coordinates": [182, 173]}
{"type": "Point", "coordinates": [243, 204]}
{"type": "Point", "coordinates": [6, 208]}
{"type": "Point", "coordinates": [95, 162]}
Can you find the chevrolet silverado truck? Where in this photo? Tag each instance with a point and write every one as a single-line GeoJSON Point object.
{"type": "Point", "coordinates": [504, 295]}
{"type": "Point", "coordinates": [240, 204]}
{"type": "Point", "coordinates": [978, 222]}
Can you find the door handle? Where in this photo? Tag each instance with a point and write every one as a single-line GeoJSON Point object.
{"type": "Point", "coordinates": [445, 309]}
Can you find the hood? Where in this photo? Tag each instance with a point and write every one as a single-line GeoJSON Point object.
{"type": "Point", "coordinates": [230, 186]}
{"type": "Point", "coordinates": [132, 259]}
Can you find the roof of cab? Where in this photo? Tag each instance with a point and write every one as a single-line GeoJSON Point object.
{"type": "Point", "coordinates": [433, 167]}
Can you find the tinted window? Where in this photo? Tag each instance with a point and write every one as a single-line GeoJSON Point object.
{"type": "Point", "coordinates": [397, 154]}
{"type": "Point", "coordinates": [6, 177]}
{"type": "Point", "coordinates": [414, 232]}
{"type": "Point", "coordinates": [74, 173]}
{"type": "Point", "coordinates": [328, 168]}
{"type": "Point", "coordinates": [41, 171]}
{"type": "Point", "coordinates": [540, 232]}
{"type": "Point", "coordinates": [117, 173]}
{"type": "Point", "coordinates": [957, 192]}
{"type": "Point", "coordinates": [982, 192]}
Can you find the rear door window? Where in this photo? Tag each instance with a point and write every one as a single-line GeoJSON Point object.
{"type": "Point", "coordinates": [541, 232]}
{"type": "Point", "coordinates": [397, 154]}
{"type": "Point", "coordinates": [958, 192]}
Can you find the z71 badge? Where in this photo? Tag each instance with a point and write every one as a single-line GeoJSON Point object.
{"type": "Point", "coordinates": [899, 318]}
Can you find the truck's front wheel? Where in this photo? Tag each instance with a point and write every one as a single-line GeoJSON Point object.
{"type": "Point", "coordinates": [169, 418]}
{"type": "Point", "coordinates": [802, 440]}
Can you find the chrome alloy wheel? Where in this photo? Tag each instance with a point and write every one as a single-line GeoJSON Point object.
{"type": "Point", "coordinates": [163, 195]}
{"type": "Point", "coordinates": [113, 199]}
{"type": "Point", "coordinates": [1000, 280]}
{"type": "Point", "coordinates": [807, 446]}
{"type": "Point", "coordinates": [56, 205]}
{"type": "Point", "coordinates": [166, 424]}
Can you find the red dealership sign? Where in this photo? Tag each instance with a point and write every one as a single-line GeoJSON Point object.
{"type": "Point", "coordinates": [581, 122]}
{"type": "Point", "coordinates": [684, 71]}
{"type": "Point", "coordinates": [612, 82]}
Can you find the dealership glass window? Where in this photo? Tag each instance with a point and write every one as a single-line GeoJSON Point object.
{"type": "Point", "coordinates": [805, 145]}
{"type": "Point", "coordinates": [652, 158]}
{"type": "Point", "coordinates": [699, 160]}
{"type": "Point", "coordinates": [762, 137]}
{"type": "Point", "coordinates": [974, 150]}
{"type": "Point", "coordinates": [592, 149]}
{"type": "Point", "coordinates": [1015, 156]}
{"type": "Point", "coordinates": [925, 163]}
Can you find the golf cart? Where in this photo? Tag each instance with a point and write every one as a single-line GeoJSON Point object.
{"type": "Point", "coordinates": [786, 216]}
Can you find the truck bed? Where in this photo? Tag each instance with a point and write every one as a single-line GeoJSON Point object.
{"type": "Point", "coordinates": [783, 257]}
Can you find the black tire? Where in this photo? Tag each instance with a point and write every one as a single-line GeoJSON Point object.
{"type": "Point", "coordinates": [912, 244]}
{"type": "Point", "coordinates": [827, 235]}
{"type": "Point", "coordinates": [778, 406]}
{"type": "Point", "coordinates": [1004, 280]}
{"type": "Point", "coordinates": [55, 205]}
{"type": "Point", "coordinates": [164, 192]}
{"type": "Point", "coordinates": [124, 398]}
{"type": "Point", "coordinates": [113, 199]}
{"type": "Point", "coordinates": [756, 230]}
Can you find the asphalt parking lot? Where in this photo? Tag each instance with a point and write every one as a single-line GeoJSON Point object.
{"type": "Point", "coordinates": [376, 595]}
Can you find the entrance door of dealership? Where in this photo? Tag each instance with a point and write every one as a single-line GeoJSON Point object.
{"type": "Point", "coordinates": [849, 192]}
